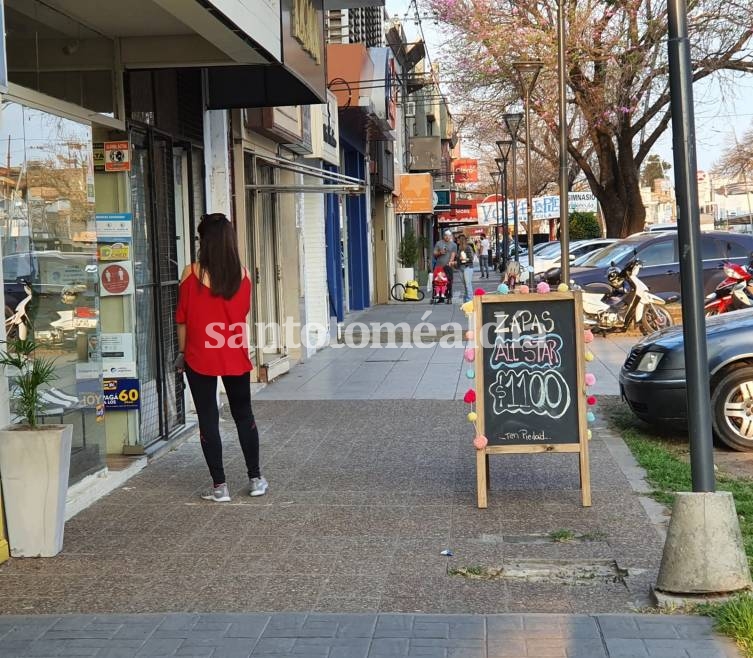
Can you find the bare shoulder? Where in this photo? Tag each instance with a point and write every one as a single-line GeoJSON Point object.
{"type": "Point", "coordinates": [245, 273]}
{"type": "Point", "coordinates": [186, 272]}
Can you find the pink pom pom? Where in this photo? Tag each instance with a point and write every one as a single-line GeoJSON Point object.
{"type": "Point", "coordinates": [479, 292]}
{"type": "Point", "coordinates": [591, 400]}
{"type": "Point", "coordinates": [590, 379]}
{"type": "Point", "coordinates": [470, 396]}
{"type": "Point", "coordinates": [543, 287]}
{"type": "Point", "coordinates": [470, 354]}
{"type": "Point", "coordinates": [469, 335]}
{"type": "Point", "coordinates": [480, 442]}
{"type": "Point", "coordinates": [588, 336]}
{"type": "Point", "coordinates": [524, 290]}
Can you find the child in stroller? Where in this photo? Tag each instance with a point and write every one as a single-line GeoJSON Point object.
{"type": "Point", "coordinates": [439, 283]}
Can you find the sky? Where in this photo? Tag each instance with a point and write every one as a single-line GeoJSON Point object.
{"type": "Point", "coordinates": [719, 118]}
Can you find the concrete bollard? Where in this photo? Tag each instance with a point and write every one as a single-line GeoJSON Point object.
{"type": "Point", "coordinates": [703, 553]}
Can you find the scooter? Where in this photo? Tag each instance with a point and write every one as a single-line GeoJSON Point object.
{"type": "Point", "coordinates": [628, 301]}
{"type": "Point", "coordinates": [732, 293]}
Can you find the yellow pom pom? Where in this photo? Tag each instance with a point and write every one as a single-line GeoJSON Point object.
{"type": "Point", "coordinates": [472, 416]}
{"type": "Point", "coordinates": [467, 307]}
{"type": "Point", "coordinates": [562, 287]}
{"type": "Point", "coordinates": [589, 356]}
{"type": "Point", "coordinates": [589, 434]}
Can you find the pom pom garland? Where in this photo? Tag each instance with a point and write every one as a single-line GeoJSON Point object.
{"type": "Point", "coordinates": [480, 442]}
{"type": "Point", "coordinates": [472, 417]}
{"type": "Point", "coordinates": [469, 335]}
{"type": "Point", "coordinates": [524, 290]}
{"type": "Point", "coordinates": [562, 287]}
{"type": "Point", "coordinates": [479, 292]}
{"type": "Point", "coordinates": [590, 417]}
{"type": "Point", "coordinates": [591, 400]}
{"type": "Point", "coordinates": [543, 287]}
{"type": "Point", "coordinates": [590, 379]}
{"type": "Point", "coordinates": [467, 307]}
{"type": "Point", "coordinates": [503, 289]}
{"type": "Point", "coordinates": [589, 356]}
{"type": "Point", "coordinates": [470, 396]}
{"type": "Point", "coordinates": [470, 373]}
{"type": "Point", "coordinates": [588, 336]}
{"type": "Point", "coordinates": [469, 354]}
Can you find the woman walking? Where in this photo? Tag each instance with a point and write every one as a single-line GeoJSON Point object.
{"type": "Point", "coordinates": [465, 265]}
{"type": "Point", "coordinates": [213, 305]}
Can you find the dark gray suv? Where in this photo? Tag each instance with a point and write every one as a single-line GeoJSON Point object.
{"type": "Point", "coordinates": [658, 254]}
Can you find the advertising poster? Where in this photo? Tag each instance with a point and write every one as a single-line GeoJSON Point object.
{"type": "Point", "coordinates": [117, 355]}
{"type": "Point", "coordinates": [121, 394]}
{"type": "Point", "coordinates": [114, 226]}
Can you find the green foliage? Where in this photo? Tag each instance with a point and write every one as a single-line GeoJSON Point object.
{"type": "Point", "coordinates": [407, 254]}
{"type": "Point", "coordinates": [733, 618]}
{"type": "Point", "coordinates": [562, 535]}
{"type": "Point", "coordinates": [654, 168]}
{"type": "Point", "coordinates": [29, 373]}
{"type": "Point", "coordinates": [584, 226]}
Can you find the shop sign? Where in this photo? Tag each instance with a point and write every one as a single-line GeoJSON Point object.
{"type": "Point", "coordinates": [98, 156]}
{"type": "Point", "coordinates": [116, 279]}
{"type": "Point", "coordinates": [416, 194]}
{"type": "Point", "coordinates": [442, 200]}
{"type": "Point", "coordinates": [462, 211]}
{"type": "Point", "coordinates": [89, 392]}
{"type": "Point", "coordinates": [117, 156]}
{"type": "Point", "coordinates": [114, 251]}
{"type": "Point", "coordinates": [113, 225]}
{"type": "Point", "coordinates": [122, 394]}
{"type": "Point", "coordinates": [465, 170]}
{"type": "Point", "coordinates": [305, 28]}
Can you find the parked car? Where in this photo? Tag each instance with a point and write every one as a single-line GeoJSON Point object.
{"type": "Point", "coordinates": [546, 260]}
{"type": "Point", "coordinates": [658, 254]}
{"type": "Point", "coordinates": [652, 379]}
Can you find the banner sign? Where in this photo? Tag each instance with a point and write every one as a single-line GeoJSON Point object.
{"type": "Point", "coordinates": [464, 210]}
{"type": "Point", "coordinates": [465, 170]}
{"type": "Point", "coordinates": [544, 207]}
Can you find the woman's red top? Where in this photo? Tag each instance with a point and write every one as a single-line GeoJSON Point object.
{"type": "Point", "coordinates": [216, 330]}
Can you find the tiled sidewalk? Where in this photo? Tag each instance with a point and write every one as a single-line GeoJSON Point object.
{"type": "Point", "coordinates": [362, 636]}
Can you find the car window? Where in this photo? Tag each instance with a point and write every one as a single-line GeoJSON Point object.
{"type": "Point", "coordinates": [711, 248]}
{"type": "Point", "coordinates": [732, 249]}
{"type": "Point", "coordinates": [658, 253]}
{"type": "Point", "coordinates": [617, 252]}
{"type": "Point", "coordinates": [549, 251]}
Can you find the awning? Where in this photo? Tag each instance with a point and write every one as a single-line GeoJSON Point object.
{"type": "Point", "coordinates": [333, 182]}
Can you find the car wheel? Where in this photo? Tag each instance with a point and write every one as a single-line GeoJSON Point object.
{"type": "Point", "coordinates": [655, 318]}
{"type": "Point", "coordinates": [732, 406]}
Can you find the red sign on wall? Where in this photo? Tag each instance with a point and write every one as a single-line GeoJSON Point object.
{"type": "Point", "coordinates": [463, 210]}
{"type": "Point", "coordinates": [465, 170]}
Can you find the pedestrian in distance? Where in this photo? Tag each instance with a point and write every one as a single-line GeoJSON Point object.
{"type": "Point", "coordinates": [213, 304]}
{"type": "Point", "coordinates": [465, 266]}
{"type": "Point", "coordinates": [483, 258]}
{"type": "Point", "coordinates": [446, 251]}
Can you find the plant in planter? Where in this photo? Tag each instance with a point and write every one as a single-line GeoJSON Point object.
{"type": "Point", "coordinates": [34, 458]}
{"type": "Point", "coordinates": [407, 256]}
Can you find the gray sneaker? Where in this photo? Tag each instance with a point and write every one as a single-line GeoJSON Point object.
{"type": "Point", "coordinates": [217, 494]}
{"type": "Point", "coordinates": [259, 486]}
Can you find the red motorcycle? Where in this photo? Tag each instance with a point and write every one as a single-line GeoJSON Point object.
{"type": "Point", "coordinates": [731, 294]}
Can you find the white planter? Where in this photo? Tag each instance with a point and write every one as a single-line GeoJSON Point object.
{"type": "Point", "coordinates": [404, 274]}
{"type": "Point", "coordinates": [34, 467]}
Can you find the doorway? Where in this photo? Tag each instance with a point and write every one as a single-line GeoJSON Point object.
{"type": "Point", "coordinates": [164, 209]}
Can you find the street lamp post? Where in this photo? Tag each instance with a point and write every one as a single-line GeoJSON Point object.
{"type": "Point", "coordinates": [512, 121]}
{"type": "Point", "coordinates": [496, 176]}
{"type": "Point", "coordinates": [504, 147]}
{"type": "Point", "coordinates": [528, 72]}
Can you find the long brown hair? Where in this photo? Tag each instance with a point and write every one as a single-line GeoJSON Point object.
{"type": "Point", "coordinates": [218, 255]}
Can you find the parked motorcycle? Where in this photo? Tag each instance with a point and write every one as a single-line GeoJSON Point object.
{"type": "Point", "coordinates": [732, 293]}
{"type": "Point", "coordinates": [628, 301]}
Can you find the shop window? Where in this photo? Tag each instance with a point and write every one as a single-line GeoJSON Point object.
{"type": "Point", "coordinates": [48, 244]}
{"type": "Point", "coordinates": [55, 55]}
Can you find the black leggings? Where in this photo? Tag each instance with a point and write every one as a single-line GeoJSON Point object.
{"type": "Point", "coordinates": [238, 389]}
{"type": "Point", "coordinates": [450, 274]}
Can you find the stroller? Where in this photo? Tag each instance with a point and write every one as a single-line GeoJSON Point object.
{"type": "Point", "coordinates": [439, 286]}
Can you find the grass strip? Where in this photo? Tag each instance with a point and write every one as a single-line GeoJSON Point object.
{"type": "Point", "coordinates": [667, 473]}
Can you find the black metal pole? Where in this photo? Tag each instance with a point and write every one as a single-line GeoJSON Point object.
{"type": "Point", "coordinates": [564, 199]}
{"type": "Point", "coordinates": [689, 236]}
{"type": "Point", "coordinates": [515, 199]}
{"type": "Point", "coordinates": [505, 223]}
{"type": "Point", "coordinates": [529, 203]}
{"type": "Point", "coordinates": [496, 234]}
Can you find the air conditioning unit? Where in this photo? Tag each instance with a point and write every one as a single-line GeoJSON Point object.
{"type": "Point", "coordinates": [410, 109]}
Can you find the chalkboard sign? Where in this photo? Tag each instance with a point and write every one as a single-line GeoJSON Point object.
{"type": "Point", "coordinates": [530, 377]}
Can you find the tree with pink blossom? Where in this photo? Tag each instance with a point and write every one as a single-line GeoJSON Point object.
{"type": "Point", "coordinates": [616, 77]}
